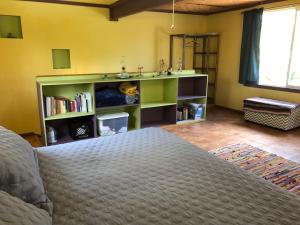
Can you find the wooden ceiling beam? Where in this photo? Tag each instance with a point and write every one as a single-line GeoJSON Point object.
{"type": "Point", "coordinates": [124, 8]}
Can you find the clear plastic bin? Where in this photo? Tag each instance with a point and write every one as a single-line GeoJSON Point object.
{"type": "Point", "coordinates": [111, 124]}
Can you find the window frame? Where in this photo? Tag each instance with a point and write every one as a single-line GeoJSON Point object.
{"type": "Point", "coordinates": [287, 87]}
{"type": "Point", "coordinates": [275, 88]}
{"type": "Point", "coordinates": [291, 52]}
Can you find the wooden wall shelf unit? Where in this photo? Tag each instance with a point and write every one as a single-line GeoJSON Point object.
{"type": "Point", "coordinates": [160, 96]}
{"type": "Point", "coordinates": [205, 51]}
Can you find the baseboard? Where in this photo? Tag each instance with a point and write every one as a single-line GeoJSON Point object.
{"type": "Point", "coordinates": [234, 110]}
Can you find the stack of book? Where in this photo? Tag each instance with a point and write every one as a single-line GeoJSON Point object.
{"type": "Point", "coordinates": [54, 105]}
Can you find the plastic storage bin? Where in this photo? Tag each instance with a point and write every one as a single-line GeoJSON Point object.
{"type": "Point", "coordinates": [195, 111]}
{"type": "Point", "coordinates": [111, 124]}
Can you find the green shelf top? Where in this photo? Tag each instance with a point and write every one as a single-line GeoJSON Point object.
{"type": "Point", "coordinates": [68, 115]}
{"type": "Point", "coordinates": [117, 107]}
{"type": "Point", "coordinates": [100, 78]}
{"type": "Point", "coordinates": [181, 98]}
{"type": "Point", "coordinates": [156, 104]}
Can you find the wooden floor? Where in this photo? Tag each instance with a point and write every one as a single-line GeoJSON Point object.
{"type": "Point", "coordinates": [226, 127]}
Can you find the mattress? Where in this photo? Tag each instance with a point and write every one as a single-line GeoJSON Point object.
{"type": "Point", "coordinates": [150, 176]}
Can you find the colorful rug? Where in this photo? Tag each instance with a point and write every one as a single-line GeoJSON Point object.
{"type": "Point", "coordinates": [271, 167]}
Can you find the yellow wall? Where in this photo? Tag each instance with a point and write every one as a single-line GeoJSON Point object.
{"type": "Point", "coordinates": [96, 45]}
{"type": "Point", "coordinates": [230, 93]}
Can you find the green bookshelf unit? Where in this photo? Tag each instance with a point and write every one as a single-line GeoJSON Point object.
{"type": "Point", "coordinates": [158, 103]}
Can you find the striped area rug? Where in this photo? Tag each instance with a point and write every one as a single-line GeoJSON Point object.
{"type": "Point", "coordinates": [271, 167]}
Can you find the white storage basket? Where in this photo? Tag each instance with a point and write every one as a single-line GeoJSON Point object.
{"type": "Point", "coordinates": [110, 124]}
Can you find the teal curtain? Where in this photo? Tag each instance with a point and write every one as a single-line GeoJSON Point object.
{"type": "Point", "coordinates": [249, 61]}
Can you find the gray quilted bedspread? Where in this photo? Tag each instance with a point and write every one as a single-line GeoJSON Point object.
{"type": "Point", "coordinates": [149, 177]}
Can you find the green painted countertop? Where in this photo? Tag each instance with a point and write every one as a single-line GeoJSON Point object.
{"type": "Point", "coordinates": [97, 78]}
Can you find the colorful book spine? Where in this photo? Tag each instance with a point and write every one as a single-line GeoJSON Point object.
{"type": "Point", "coordinates": [48, 106]}
{"type": "Point", "coordinates": [88, 98]}
{"type": "Point", "coordinates": [53, 105]}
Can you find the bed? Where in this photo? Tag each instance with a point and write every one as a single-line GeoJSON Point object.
{"type": "Point", "coordinates": [142, 177]}
{"type": "Point", "coordinates": [151, 176]}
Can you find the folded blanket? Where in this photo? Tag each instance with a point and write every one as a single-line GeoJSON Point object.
{"type": "Point", "coordinates": [269, 105]}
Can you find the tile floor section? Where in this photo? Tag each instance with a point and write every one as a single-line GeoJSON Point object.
{"type": "Point", "coordinates": [226, 127]}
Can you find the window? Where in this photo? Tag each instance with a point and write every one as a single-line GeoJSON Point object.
{"type": "Point", "coordinates": [280, 48]}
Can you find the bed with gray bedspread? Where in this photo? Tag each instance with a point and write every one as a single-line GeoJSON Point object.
{"type": "Point", "coordinates": [149, 177]}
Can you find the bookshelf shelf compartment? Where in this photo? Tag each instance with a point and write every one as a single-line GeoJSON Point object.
{"type": "Point", "coordinates": [192, 86]}
{"type": "Point", "coordinates": [68, 115]}
{"type": "Point", "coordinates": [112, 88]}
{"type": "Point", "coordinates": [160, 92]}
{"type": "Point", "coordinates": [62, 128]}
{"type": "Point", "coordinates": [68, 91]}
{"type": "Point", "coordinates": [158, 116]}
{"type": "Point", "coordinates": [132, 110]}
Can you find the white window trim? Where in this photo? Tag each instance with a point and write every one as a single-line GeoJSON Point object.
{"type": "Point", "coordinates": [291, 52]}
{"type": "Point", "coordinates": [287, 86]}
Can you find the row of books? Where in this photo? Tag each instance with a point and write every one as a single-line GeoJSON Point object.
{"type": "Point", "coordinates": [190, 110]}
{"type": "Point", "coordinates": [54, 105]}
{"type": "Point", "coordinates": [182, 113]}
